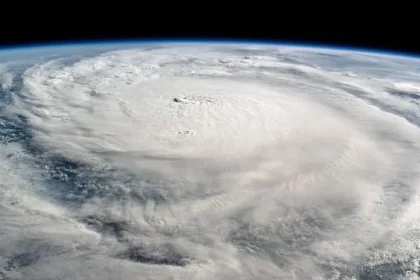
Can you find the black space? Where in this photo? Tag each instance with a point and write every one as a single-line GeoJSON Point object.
{"type": "Point", "coordinates": [312, 25]}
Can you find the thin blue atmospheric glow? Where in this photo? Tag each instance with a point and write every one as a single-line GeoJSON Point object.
{"type": "Point", "coordinates": [131, 42]}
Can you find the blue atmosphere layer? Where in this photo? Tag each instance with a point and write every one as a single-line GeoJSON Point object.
{"type": "Point", "coordinates": [208, 41]}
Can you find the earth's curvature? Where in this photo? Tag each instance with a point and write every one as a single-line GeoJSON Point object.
{"type": "Point", "coordinates": [208, 161]}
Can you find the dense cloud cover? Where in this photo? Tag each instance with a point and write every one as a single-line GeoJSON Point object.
{"type": "Point", "coordinates": [195, 161]}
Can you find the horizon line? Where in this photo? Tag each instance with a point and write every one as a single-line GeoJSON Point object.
{"type": "Point", "coordinates": [268, 42]}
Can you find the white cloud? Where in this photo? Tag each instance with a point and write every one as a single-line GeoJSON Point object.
{"type": "Point", "coordinates": [281, 174]}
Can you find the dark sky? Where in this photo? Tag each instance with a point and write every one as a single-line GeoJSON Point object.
{"type": "Point", "coordinates": [385, 33]}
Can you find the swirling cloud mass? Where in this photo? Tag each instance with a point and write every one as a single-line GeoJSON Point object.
{"type": "Point", "coordinates": [208, 161]}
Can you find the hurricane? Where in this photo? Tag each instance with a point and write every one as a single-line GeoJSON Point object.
{"type": "Point", "coordinates": [183, 160]}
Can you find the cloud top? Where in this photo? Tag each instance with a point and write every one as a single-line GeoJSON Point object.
{"type": "Point", "coordinates": [210, 162]}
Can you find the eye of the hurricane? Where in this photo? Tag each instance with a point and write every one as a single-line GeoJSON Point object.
{"type": "Point", "coordinates": [194, 100]}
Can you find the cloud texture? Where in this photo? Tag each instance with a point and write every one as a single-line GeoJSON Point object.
{"type": "Point", "coordinates": [210, 162]}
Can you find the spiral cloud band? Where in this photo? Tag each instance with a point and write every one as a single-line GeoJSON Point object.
{"type": "Point", "coordinates": [209, 161]}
